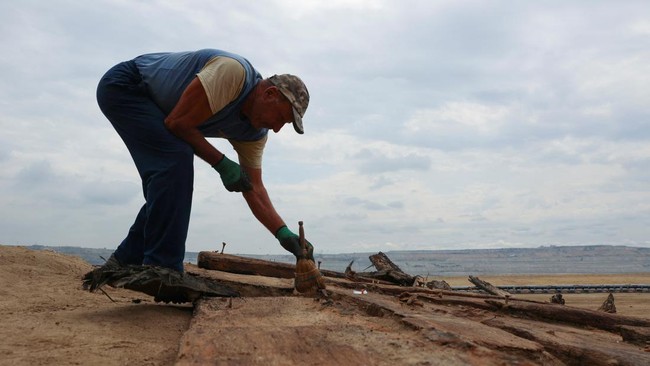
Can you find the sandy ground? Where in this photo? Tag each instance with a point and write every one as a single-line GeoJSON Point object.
{"type": "Point", "coordinates": [48, 319]}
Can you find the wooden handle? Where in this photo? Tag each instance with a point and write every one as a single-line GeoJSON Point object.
{"type": "Point", "coordinates": [301, 236]}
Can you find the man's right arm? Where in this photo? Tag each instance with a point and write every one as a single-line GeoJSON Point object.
{"type": "Point", "coordinates": [191, 110]}
{"type": "Point", "coordinates": [183, 121]}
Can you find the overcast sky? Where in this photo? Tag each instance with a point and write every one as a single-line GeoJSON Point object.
{"type": "Point", "coordinates": [432, 124]}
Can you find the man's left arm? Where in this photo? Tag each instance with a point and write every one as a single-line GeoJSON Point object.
{"type": "Point", "coordinates": [259, 202]}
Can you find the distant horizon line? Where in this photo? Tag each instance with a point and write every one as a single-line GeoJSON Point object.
{"type": "Point", "coordinates": [363, 252]}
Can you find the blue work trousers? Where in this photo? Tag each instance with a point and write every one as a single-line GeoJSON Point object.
{"type": "Point", "coordinates": [164, 162]}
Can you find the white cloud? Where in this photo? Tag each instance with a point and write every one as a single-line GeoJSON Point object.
{"type": "Point", "coordinates": [458, 117]}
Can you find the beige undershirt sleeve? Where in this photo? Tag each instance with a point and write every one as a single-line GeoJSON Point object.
{"type": "Point", "coordinates": [250, 152]}
{"type": "Point", "coordinates": [223, 79]}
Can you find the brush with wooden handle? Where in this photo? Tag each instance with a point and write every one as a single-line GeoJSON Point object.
{"type": "Point", "coordinates": [308, 277]}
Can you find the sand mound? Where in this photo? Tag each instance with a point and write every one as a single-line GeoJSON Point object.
{"type": "Point", "coordinates": [48, 319]}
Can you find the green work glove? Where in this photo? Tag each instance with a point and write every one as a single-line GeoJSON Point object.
{"type": "Point", "coordinates": [291, 242]}
{"type": "Point", "coordinates": [234, 178]}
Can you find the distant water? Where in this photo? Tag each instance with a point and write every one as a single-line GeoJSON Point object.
{"type": "Point", "coordinates": [542, 260]}
{"type": "Point", "coordinates": [548, 260]}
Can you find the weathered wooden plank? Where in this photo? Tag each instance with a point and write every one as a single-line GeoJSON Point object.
{"type": "Point", "coordinates": [247, 285]}
{"type": "Point", "coordinates": [443, 328]}
{"type": "Point", "coordinates": [242, 265]}
{"type": "Point", "coordinates": [575, 346]}
{"type": "Point", "coordinates": [398, 290]}
{"type": "Point", "coordinates": [478, 303]}
{"type": "Point", "coordinates": [568, 314]}
{"type": "Point", "coordinates": [488, 287]}
{"type": "Point", "coordinates": [636, 335]}
{"type": "Point", "coordinates": [258, 267]}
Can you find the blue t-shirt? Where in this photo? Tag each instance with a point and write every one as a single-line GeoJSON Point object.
{"type": "Point", "coordinates": [167, 74]}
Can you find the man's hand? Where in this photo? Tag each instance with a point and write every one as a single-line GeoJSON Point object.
{"type": "Point", "coordinates": [234, 178]}
{"type": "Point", "coordinates": [291, 242]}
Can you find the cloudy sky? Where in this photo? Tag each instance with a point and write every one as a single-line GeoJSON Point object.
{"type": "Point", "coordinates": [432, 124]}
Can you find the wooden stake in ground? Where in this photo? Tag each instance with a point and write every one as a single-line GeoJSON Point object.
{"type": "Point", "coordinates": [557, 299]}
{"type": "Point", "coordinates": [608, 306]}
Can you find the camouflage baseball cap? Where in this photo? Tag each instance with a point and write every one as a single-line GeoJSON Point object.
{"type": "Point", "coordinates": [296, 92]}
